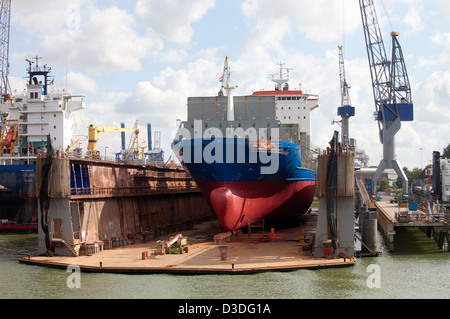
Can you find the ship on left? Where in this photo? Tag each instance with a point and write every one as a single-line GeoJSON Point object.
{"type": "Point", "coordinates": [27, 119]}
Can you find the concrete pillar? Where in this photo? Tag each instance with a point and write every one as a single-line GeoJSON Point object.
{"type": "Point", "coordinates": [368, 223]}
{"type": "Point", "coordinates": [344, 203]}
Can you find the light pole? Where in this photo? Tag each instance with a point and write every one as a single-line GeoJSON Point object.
{"type": "Point", "coordinates": [421, 149]}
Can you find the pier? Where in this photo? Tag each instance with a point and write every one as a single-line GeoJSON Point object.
{"type": "Point", "coordinates": [392, 215]}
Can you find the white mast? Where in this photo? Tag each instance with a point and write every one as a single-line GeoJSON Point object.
{"type": "Point", "coordinates": [226, 84]}
{"type": "Point", "coordinates": [282, 79]}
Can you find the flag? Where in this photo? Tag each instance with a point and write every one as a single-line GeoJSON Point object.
{"type": "Point", "coordinates": [221, 79]}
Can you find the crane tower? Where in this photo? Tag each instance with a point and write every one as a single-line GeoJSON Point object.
{"type": "Point", "coordinates": [5, 12]}
{"type": "Point", "coordinates": [391, 90]}
{"type": "Point", "coordinates": [345, 110]}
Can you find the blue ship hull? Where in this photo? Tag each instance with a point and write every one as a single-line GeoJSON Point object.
{"type": "Point", "coordinates": [18, 201]}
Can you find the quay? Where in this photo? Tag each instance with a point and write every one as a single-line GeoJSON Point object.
{"type": "Point", "coordinates": [392, 215]}
{"type": "Point", "coordinates": [238, 254]}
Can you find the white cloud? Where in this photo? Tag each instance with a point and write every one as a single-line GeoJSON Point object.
{"type": "Point", "coordinates": [43, 17]}
{"type": "Point", "coordinates": [320, 20]}
{"type": "Point", "coordinates": [172, 19]}
{"type": "Point", "coordinates": [79, 82]}
{"type": "Point", "coordinates": [106, 42]}
{"type": "Point", "coordinates": [171, 56]}
{"type": "Point", "coordinates": [413, 19]}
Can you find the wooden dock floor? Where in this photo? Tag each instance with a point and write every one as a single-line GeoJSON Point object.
{"type": "Point", "coordinates": [390, 216]}
{"type": "Point", "coordinates": [245, 254]}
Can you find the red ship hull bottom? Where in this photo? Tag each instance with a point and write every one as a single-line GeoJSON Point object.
{"type": "Point", "coordinates": [238, 203]}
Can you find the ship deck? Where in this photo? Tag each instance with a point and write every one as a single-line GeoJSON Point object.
{"type": "Point", "coordinates": [245, 253]}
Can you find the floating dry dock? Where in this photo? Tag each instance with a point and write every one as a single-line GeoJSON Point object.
{"type": "Point", "coordinates": [240, 254]}
{"type": "Point", "coordinates": [86, 203]}
{"type": "Point", "coordinates": [107, 217]}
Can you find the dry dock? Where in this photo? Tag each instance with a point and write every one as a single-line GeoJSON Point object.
{"type": "Point", "coordinates": [244, 253]}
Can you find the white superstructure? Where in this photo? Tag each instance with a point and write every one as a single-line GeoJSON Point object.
{"type": "Point", "coordinates": [35, 114]}
{"type": "Point", "coordinates": [293, 107]}
{"type": "Point", "coordinates": [445, 178]}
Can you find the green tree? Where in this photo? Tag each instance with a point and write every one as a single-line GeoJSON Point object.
{"type": "Point", "coordinates": [384, 184]}
{"type": "Point", "coordinates": [446, 152]}
{"type": "Point", "coordinates": [415, 174]}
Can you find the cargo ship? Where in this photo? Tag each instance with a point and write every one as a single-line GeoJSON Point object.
{"type": "Point", "coordinates": [251, 156]}
{"type": "Point", "coordinates": [27, 119]}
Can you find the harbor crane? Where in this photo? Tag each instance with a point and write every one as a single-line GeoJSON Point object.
{"type": "Point", "coordinates": [391, 90]}
{"type": "Point", "coordinates": [5, 14]}
{"type": "Point", "coordinates": [345, 111]}
{"type": "Point", "coordinates": [95, 132]}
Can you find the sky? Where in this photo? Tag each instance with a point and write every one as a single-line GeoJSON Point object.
{"type": "Point", "coordinates": [141, 60]}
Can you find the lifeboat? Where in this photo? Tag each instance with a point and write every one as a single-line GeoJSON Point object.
{"type": "Point", "coordinates": [9, 138]}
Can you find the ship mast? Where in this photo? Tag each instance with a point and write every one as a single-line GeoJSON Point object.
{"type": "Point", "coordinates": [282, 79]}
{"type": "Point", "coordinates": [229, 88]}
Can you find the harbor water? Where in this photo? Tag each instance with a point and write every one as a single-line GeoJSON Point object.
{"type": "Point", "coordinates": [417, 269]}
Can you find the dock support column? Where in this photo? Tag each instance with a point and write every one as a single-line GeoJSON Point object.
{"type": "Point", "coordinates": [336, 216]}
{"type": "Point", "coordinates": [368, 222]}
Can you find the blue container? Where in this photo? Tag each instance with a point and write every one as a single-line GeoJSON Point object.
{"type": "Point", "coordinates": [413, 206]}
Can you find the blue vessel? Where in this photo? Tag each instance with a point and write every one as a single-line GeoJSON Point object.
{"type": "Point", "coordinates": [250, 155]}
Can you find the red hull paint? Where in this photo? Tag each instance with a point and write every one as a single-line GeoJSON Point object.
{"type": "Point", "coordinates": [18, 227]}
{"type": "Point", "coordinates": [237, 203]}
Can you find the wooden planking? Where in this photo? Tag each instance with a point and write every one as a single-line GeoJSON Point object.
{"type": "Point", "coordinates": [60, 178]}
{"type": "Point", "coordinates": [345, 175]}
{"type": "Point", "coordinates": [322, 162]}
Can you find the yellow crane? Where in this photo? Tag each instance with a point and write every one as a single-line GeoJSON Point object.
{"type": "Point", "coordinates": [95, 132]}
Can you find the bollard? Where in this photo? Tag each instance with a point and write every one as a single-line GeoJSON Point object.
{"type": "Point", "coordinates": [223, 252]}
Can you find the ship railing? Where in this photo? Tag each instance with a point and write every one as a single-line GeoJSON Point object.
{"type": "Point", "coordinates": [418, 217]}
{"type": "Point", "coordinates": [447, 218]}
{"type": "Point", "coordinates": [262, 145]}
{"type": "Point", "coordinates": [131, 191]}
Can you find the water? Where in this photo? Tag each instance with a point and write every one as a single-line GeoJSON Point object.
{"type": "Point", "coordinates": [418, 269]}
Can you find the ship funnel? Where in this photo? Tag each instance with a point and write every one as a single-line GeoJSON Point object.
{"type": "Point", "coordinates": [149, 136]}
{"type": "Point", "coordinates": [122, 125]}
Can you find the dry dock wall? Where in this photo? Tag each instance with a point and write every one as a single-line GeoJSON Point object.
{"type": "Point", "coordinates": [97, 204]}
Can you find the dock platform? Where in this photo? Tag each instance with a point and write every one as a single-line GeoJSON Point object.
{"type": "Point", "coordinates": [242, 254]}
{"type": "Point", "coordinates": [392, 215]}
